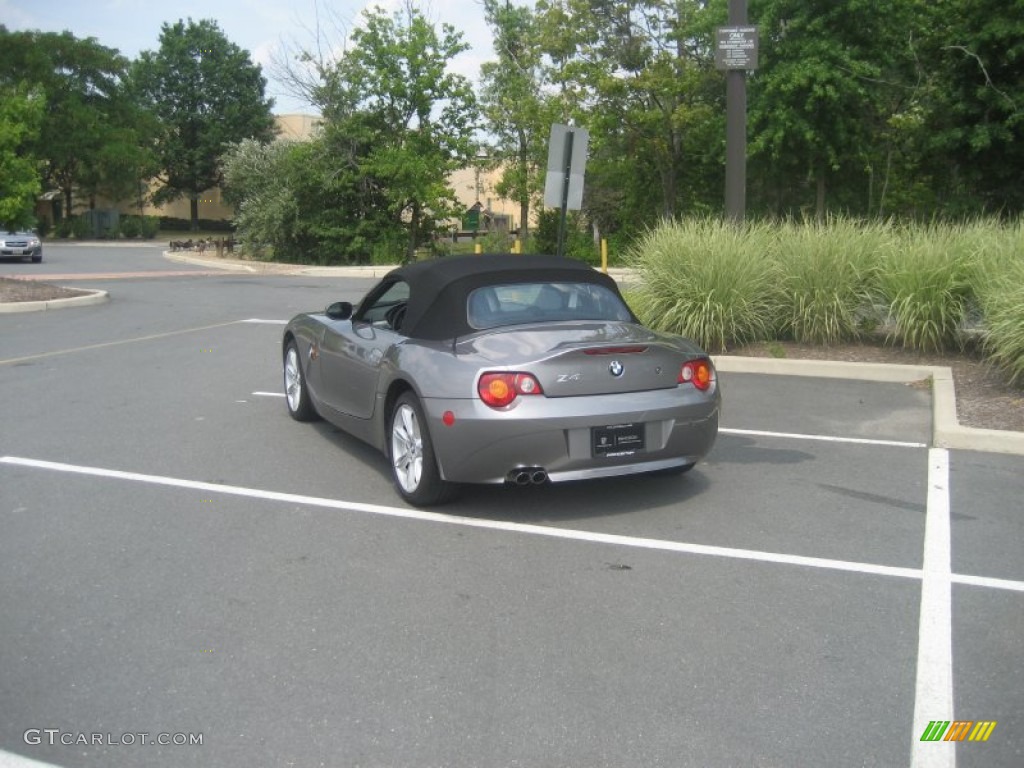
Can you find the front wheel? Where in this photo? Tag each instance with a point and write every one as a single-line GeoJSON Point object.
{"type": "Point", "coordinates": [296, 394]}
{"type": "Point", "coordinates": [411, 455]}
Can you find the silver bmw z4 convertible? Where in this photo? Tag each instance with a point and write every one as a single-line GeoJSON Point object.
{"type": "Point", "coordinates": [502, 369]}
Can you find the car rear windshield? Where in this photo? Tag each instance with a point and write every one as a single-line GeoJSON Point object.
{"type": "Point", "coordinates": [520, 303]}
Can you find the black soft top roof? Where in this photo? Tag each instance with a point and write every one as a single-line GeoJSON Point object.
{"type": "Point", "coordinates": [438, 288]}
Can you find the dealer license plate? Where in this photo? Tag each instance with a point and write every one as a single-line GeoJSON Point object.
{"type": "Point", "coordinates": [617, 439]}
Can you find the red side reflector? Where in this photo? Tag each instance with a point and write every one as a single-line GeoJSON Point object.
{"type": "Point", "coordinates": [614, 350]}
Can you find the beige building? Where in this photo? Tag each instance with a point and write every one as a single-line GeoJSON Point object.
{"type": "Point", "coordinates": [475, 186]}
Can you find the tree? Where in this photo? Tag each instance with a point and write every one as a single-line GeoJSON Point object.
{"type": "Point", "coordinates": [206, 93]}
{"type": "Point", "coordinates": [639, 74]}
{"type": "Point", "coordinates": [91, 139]}
{"type": "Point", "coordinates": [400, 120]}
{"type": "Point", "coordinates": [829, 77]}
{"type": "Point", "coordinates": [517, 111]}
{"type": "Point", "coordinates": [977, 115]}
{"type": "Point", "coordinates": [21, 114]}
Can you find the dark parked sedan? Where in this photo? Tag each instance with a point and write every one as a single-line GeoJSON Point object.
{"type": "Point", "coordinates": [25, 245]}
{"type": "Point", "coordinates": [502, 369]}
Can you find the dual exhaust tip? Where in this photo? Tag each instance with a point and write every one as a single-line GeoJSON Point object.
{"type": "Point", "coordinates": [527, 476]}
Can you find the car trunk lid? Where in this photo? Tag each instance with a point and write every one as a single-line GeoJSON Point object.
{"type": "Point", "coordinates": [584, 358]}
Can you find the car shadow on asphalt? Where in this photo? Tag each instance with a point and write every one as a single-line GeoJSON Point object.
{"type": "Point", "coordinates": [576, 500]}
{"type": "Point", "coordinates": [579, 500]}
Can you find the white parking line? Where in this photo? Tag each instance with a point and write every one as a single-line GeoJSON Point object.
{"type": "Point", "coordinates": [933, 693]}
{"type": "Point", "coordinates": [826, 438]}
{"type": "Point", "coordinates": [269, 394]}
{"type": "Point", "coordinates": [502, 525]}
{"type": "Point", "coordinates": [472, 522]}
{"type": "Point", "coordinates": [264, 322]}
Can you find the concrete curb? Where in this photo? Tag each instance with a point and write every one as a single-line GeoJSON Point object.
{"type": "Point", "coordinates": [947, 432]}
{"type": "Point", "coordinates": [273, 268]}
{"type": "Point", "coordinates": [94, 297]}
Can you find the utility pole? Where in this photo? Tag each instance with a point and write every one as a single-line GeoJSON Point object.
{"type": "Point", "coordinates": [736, 52]}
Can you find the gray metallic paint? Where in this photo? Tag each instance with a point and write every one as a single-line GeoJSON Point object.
{"type": "Point", "coordinates": [361, 367]}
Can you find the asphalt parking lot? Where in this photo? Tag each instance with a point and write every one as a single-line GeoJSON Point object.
{"type": "Point", "coordinates": [180, 558]}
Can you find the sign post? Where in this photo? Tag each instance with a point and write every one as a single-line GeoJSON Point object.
{"type": "Point", "coordinates": [567, 161]}
{"type": "Point", "coordinates": [736, 52]}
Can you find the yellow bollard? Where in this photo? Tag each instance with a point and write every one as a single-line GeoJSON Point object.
{"type": "Point", "coordinates": [478, 248]}
{"type": "Point", "coordinates": [604, 255]}
{"type": "Point", "coordinates": [517, 246]}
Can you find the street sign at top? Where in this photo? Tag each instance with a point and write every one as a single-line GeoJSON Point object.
{"type": "Point", "coordinates": [736, 48]}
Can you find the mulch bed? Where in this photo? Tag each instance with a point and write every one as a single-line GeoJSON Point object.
{"type": "Point", "coordinates": [33, 290]}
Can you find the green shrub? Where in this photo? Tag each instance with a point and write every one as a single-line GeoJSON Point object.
{"type": "Point", "coordinates": [64, 228]}
{"type": "Point", "coordinates": [828, 272]}
{"type": "Point", "coordinates": [924, 281]}
{"type": "Point", "coordinates": [998, 283]}
{"type": "Point", "coordinates": [81, 227]}
{"type": "Point", "coordinates": [577, 244]}
{"type": "Point", "coordinates": [150, 226]}
{"type": "Point", "coordinates": [1004, 322]}
{"type": "Point", "coordinates": [42, 227]}
{"type": "Point", "coordinates": [131, 226]}
{"type": "Point", "coordinates": [388, 249]}
{"type": "Point", "coordinates": [710, 281]}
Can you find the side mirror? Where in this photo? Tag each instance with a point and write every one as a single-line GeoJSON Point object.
{"type": "Point", "coordinates": [339, 310]}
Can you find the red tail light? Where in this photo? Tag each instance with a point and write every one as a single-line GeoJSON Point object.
{"type": "Point", "coordinates": [697, 372]}
{"type": "Point", "coordinates": [500, 389]}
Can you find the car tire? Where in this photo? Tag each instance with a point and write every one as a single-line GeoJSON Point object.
{"type": "Point", "coordinates": [36, 259]}
{"type": "Point", "coordinates": [411, 456]}
{"type": "Point", "coordinates": [296, 394]}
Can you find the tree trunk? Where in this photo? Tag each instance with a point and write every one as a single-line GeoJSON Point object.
{"type": "Point", "coordinates": [414, 226]}
{"type": "Point", "coordinates": [194, 213]}
{"type": "Point", "coordinates": [819, 203]}
{"type": "Point", "coordinates": [67, 203]}
{"type": "Point", "coordinates": [524, 193]}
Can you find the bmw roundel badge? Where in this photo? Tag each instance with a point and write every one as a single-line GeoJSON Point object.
{"type": "Point", "coordinates": [615, 368]}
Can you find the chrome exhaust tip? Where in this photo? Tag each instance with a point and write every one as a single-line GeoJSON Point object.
{"type": "Point", "coordinates": [527, 476]}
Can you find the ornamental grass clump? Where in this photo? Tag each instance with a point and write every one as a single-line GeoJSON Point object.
{"type": "Point", "coordinates": [924, 281]}
{"type": "Point", "coordinates": [999, 286]}
{"type": "Point", "coordinates": [713, 282]}
{"type": "Point", "coordinates": [828, 274]}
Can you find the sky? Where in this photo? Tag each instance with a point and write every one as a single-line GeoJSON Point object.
{"type": "Point", "coordinates": [265, 28]}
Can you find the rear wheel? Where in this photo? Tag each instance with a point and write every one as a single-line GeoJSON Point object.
{"type": "Point", "coordinates": [413, 465]}
{"type": "Point", "coordinates": [295, 393]}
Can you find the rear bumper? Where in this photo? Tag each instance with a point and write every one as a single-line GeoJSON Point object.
{"type": "Point", "coordinates": [484, 445]}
